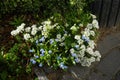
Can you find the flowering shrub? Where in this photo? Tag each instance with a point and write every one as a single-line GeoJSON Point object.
{"type": "Point", "coordinates": [58, 45]}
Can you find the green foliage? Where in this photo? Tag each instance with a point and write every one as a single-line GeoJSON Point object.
{"type": "Point", "coordinates": [17, 20]}
{"type": "Point", "coordinates": [14, 63]}
{"type": "Point", "coordinates": [8, 6]}
{"type": "Point", "coordinates": [45, 8]}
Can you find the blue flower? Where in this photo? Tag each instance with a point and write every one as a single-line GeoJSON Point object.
{"type": "Point", "coordinates": [42, 54]}
{"type": "Point", "coordinates": [74, 54]}
{"type": "Point", "coordinates": [49, 51]}
{"type": "Point", "coordinates": [58, 58]}
{"type": "Point", "coordinates": [51, 41]}
{"type": "Point", "coordinates": [77, 46]}
{"type": "Point", "coordinates": [31, 50]}
{"type": "Point", "coordinates": [42, 51]}
{"type": "Point", "coordinates": [36, 56]}
{"type": "Point", "coordinates": [76, 60]}
{"type": "Point", "coordinates": [36, 41]}
{"type": "Point", "coordinates": [56, 40]}
{"type": "Point", "coordinates": [32, 61]}
{"type": "Point", "coordinates": [40, 65]}
{"type": "Point", "coordinates": [63, 66]}
{"type": "Point", "coordinates": [85, 38]}
{"type": "Point", "coordinates": [42, 39]}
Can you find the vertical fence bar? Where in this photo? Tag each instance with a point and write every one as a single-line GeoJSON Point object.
{"type": "Point", "coordinates": [117, 23]}
{"type": "Point", "coordinates": [113, 13]}
{"type": "Point", "coordinates": [96, 8]}
{"type": "Point", "coordinates": [105, 12]}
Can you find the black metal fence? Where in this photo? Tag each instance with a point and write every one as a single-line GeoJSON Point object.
{"type": "Point", "coordinates": [108, 12]}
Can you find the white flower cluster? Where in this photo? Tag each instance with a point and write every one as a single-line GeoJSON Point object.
{"type": "Point", "coordinates": [26, 31]}
{"type": "Point", "coordinates": [82, 50]}
{"type": "Point", "coordinates": [18, 30]}
{"type": "Point", "coordinates": [32, 31]}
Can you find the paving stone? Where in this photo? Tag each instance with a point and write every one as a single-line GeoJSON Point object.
{"type": "Point", "coordinates": [97, 76]}
{"type": "Point", "coordinates": [117, 76]}
{"type": "Point", "coordinates": [79, 72]}
{"type": "Point", "coordinates": [110, 63]}
{"type": "Point", "coordinates": [40, 73]}
{"type": "Point", "coordinates": [108, 42]}
{"type": "Point", "coordinates": [69, 77]}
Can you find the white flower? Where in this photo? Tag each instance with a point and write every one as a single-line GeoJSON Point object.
{"type": "Point", "coordinates": [92, 59]}
{"type": "Point", "coordinates": [95, 23]}
{"type": "Point", "coordinates": [83, 47]}
{"type": "Point", "coordinates": [89, 26]}
{"type": "Point", "coordinates": [63, 38]}
{"type": "Point", "coordinates": [40, 28]}
{"type": "Point", "coordinates": [34, 30]}
{"type": "Point", "coordinates": [27, 29]}
{"type": "Point", "coordinates": [58, 36]}
{"type": "Point", "coordinates": [33, 26]}
{"type": "Point", "coordinates": [81, 53]}
{"type": "Point", "coordinates": [92, 33]}
{"type": "Point", "coordinates": [97, 55]}
{"type": "Point", "coordinates": [23, 24]}
{"type": "Point", "coordinates": [90, 51]}
{"type": "Point", "coordinates": [73, 28]}
{"type": "Point", "coordinates": [77, 37]}
{"type": "Point", "coordinates": [91, 44]}
{"type": "Point", "coordinates": [65, 35]}
{"type": "Point", "coordinates": [56, 24]}
{"type": "Point", "coordinates": [81, 25]}
{"type": "Point", "coordinates": [86, 32]}
{"type": "Point", "coordinates": [93, 16]}
{"type": "Point", "coordinates": [58, 27]}
{"type": "Point", "coordinates": [46, 22]}
{"type": "Point", "coordinates": [45, 34]}
{"type": "Point", "coordinates": [80, 41]}
{"type": "Point", "coordinates": [26, 36]}
{"type": "Point", "coordinates": [45, 28]}
{"type": "Point", "coordinates": [72, 50]}
{"type": "Point", "coordinates": [62, 44]}
{"type": "Point", "coordinates": [14, 32]}
{"type": "Point", "coordinates": [21, 27]}
{"type": "Point", "coordinates": [85, 61]}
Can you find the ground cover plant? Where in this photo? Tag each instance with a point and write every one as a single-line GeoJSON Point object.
{"type": "Point", "coordinates": [63, 36]}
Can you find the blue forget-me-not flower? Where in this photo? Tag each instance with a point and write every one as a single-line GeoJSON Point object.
{"type": "Point", "coordinates": [74, 54]}
{"type": "Point", "coordinates": [32, 61]}
{"type": "Point", "coordinates": [40, 65]}
{"type": "Point", "coordinates": [36, 56]}
{"type": "Point", "coordinates": [31, 50]}
{"type": "Point", "coordinates": [85, 38]}
{"type": "Point", "coordinates": [37, 41]}
{"type": "Point", "coordinates": [51, 41]}
{"type": "Point", "coordinates": [63, 66]}
{"type": "Point", "coordinates": [77, 46]}
{"type": "Point", "coordinates": [42, 39]}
